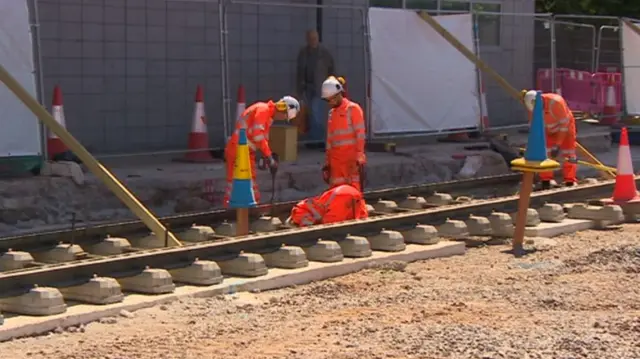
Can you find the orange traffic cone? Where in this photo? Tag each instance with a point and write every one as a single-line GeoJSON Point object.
{"type": "Point", "coordinates": [610, 111]}
{"type": "Point", "coordinates": [198, 137]}
{"type": "Point", "coordinates": [241, 103]}
{"type": "Point", "coordinates": [625, 188]}
{"type": "Point", "coordinates": [55, 144]}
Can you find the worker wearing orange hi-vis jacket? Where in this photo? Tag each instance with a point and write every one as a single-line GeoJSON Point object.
{"type": "Point", "coordinates": [340, 203]}
{"type": "Point", "coordinates": [257, 120]}
{"type": "Point", "coordinates": [560, 129]}
{"type": "Point", "coordinates": [345, 156]}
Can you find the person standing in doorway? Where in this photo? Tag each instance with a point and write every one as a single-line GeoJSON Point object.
{"type": "Point", "coordinates": [314, 64]}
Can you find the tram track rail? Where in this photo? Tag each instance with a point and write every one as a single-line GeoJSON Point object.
{"type": "Point", "coordinates": [15, 282]}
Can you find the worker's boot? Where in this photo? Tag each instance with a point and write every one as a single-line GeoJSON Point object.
{"type": "Point", "coordinates": [545, 185]}
{"type": "Point", "coordinates": [569, 184]}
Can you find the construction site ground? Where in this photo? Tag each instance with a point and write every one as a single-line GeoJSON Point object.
{"type": "Point", "coordinates": [168, 187]}
{"type": "Point", "coordinates": [576, 297]}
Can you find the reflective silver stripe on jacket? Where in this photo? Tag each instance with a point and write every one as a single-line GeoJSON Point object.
{"type": "Point", "coordinates": [348, 131]}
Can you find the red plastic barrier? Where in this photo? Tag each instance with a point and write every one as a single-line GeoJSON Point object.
{"type": "Point", "coordinates": [577, 89]}
{"type": "Point", "coordinates": [543, 80]}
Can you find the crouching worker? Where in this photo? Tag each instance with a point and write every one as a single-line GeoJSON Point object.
{"type": "Point", "coordinates": [340, 203]}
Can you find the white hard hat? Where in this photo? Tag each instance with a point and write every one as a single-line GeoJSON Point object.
{"type": "Point", "coordinates": [530, 99]}
{"type": "Point", "coordinates": [292, 106]}
{"type": "Point", "coordinates": [331, 87]}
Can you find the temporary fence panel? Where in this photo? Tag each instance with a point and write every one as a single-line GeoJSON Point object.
{"type": "Point", "coordinates": [412, 90]}
{"type": "Point", "coordinates": [631, 60]}
{"type": "Point", "coordinates": [128, 70]}
{"type": "Point", "coordinates": [20, 134]}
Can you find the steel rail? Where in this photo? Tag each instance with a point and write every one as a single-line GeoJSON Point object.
{"type": "Point", "coordinates": [121, 229]}
{"type": "Point", "coordinates": [73, 273]}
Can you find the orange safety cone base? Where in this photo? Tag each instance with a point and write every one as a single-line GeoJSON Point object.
{"type": "Point", "coordinates": [55, 146]}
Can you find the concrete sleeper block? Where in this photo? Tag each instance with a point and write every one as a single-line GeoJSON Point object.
{"type": "Point", "coordinates": [501, 225]}
{"type": "Point", "coordinates": [226, 229]}
{"type": "Point", "coordinates": [110, 246]}
{"type": "Point", "coordinates": [244, 265]}
{"type": "Point", "coordinates": [453, 229]}
{"type": "Point", "coordinates": [370, 209]}
{"type": "Point", "coordinates": [287, 257]}
{"type": "Point", "coordinates": [324, 251]}
{"type": "Point", "coordinates": [609, 214]}
{"type": "Point", "coordinates": [413, 202]}
{"type": "Point", "coordinates": [149, 281]}
{"type": "Point", "coordinates": [385, 206]}
{"type": "Point", "coordinates": [387, 241]}
{"type": "Point", "coordinates": [197, 234]}
{"type": "Point", "coordinates": [478, 226]}
{"type": "Point", "coordinates": [98, 290]}
{"type": "Point", "coordinates": [15, 260]}
{"type": "Point", "coordinates": [152, 241]}
{"type": "Point", "coordinates": [440, 199]}
{"type": "Point", "coordinates": [533, 218]}
{"type": "Point", "coordinates": [551, 212]}
{"type": "Point", "coordinates": [40, 301]}
{"type": "Point", "coordinates": [59, 254]}
{"type": "Point", "coordinates": [200, 272]}
{"type": "Point", "coordinates": [266, 224]}
{"type": "Point", "coordinates": [355, 247]}
{"type": "Point", "coordinates": [421, 234]}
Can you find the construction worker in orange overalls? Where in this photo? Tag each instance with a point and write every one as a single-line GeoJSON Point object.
{"type": "Point", "coordinates": [560, 129]}
{"type": "Point", "coordinates": [345, 156]}
{"type": "Point", "coordinates": [257, 119]}
{"type": "Point", "coordinates": [340, 203]}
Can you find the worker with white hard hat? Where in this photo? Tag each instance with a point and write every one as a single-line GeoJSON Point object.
{"type": "Point", "coordinates": [560, 129]}
{"type": "Point", "coordinates": [345, 148]}
{"type": "Point", "coordinates": [257, 120]}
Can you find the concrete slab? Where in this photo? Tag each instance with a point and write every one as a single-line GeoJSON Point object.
{"type": "Point", "coordinates": [413, 202]}
{"type": "Point", "coordinates": [478, 226]}
{"type": "Point", "coordinates": [533, 218]}
{"type": "Point", "coordinates": [37, 301]}
{"type": "Point", "coordinates": [98, 290]}
{"type": "Point", "coordinates": [200, 272]}
{"type": "Point", "coordinates": [440, 199]}
{"type": "Point", "coordinates": [555, 229]}
{"type": "Point", "coordinates": [385, 206]}
{"type": "Point", "coordinates": [421, 234]}
{"type": "Point", "coordinates": [226, 229]}
{"type": "Point", "coordinates": [501, 225]}
{"type": "Point", "coordinates": [551, 212]}
{"type": "Point", "coordinates": [387, 241]}
{"type": "Point", "coordinates": [277, 278]}
{"type": "Point", "coordinates": [604, 216]}
{"type": "Point", "coordinates": [12, 260]}
{"type": "Point", "coordinates": [266, 224]}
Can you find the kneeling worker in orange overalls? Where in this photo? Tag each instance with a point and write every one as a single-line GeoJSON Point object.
{"type": "Point", "coordinates": [257, 120]}
{"type": "Point", "coordinates": [345, 156]}
{"type": "Point", "coordinates": [560, 129]}
{"type": "Point", "coordinates": [340, 203]}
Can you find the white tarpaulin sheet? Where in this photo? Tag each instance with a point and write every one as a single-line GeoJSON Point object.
{"type": "Point", "coordinates": [420, 83]}
{"type": "Point", "coordinates": [19, 129]}
{"type": "Point", "coordinates": [631, 61]}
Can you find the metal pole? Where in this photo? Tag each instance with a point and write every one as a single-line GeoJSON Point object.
{"type": "Point", "coordinates": [39, 75]}
{"type": "Point", "coordinates": [476, 42]}
{"type": "Point", "coordinates": [115, 186]}
{"type": "Point", "coordinates": [552, 33]}
{"type": "Point", "coordinates": [222, 18]}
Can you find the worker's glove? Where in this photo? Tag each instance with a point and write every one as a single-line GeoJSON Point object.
{"type": "Point", "coordinates": [554, 151]}
{"type": "Point", "coordinates": [361, 159]}
{"type": "Point", "coordinates": [272, 162]}
{"type": "Point", "coordinates": [325, 173]}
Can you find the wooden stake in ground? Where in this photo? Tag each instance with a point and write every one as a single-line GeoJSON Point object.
{"type": "Point", "coordinates": [534, 160]}
{"type": "Point", "coordinates": [115, 186]}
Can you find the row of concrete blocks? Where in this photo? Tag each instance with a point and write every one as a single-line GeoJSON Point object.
{"type": "Point", "coordinates": [43, 301]}
{"type": "Point", "coordinates": [502, 225]}
{"type": "Point", "coordinates": [415, 203]}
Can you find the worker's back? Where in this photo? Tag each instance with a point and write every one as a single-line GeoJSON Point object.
{"type": "Point", "coordinates": [557, 114]}
{"type": "Point", "coordinates": [257, 119]}
{"type": "Point", "coordinates": [337, 204]}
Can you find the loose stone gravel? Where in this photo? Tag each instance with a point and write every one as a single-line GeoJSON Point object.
{"type": "Point", "coordinates": [577, 298]}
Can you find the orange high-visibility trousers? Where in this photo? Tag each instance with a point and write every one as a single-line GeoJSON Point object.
{"type": "Point", "coordinates": [343, 171]}
{"type": "Point", "coordinates": [567, 152]}
{"type": "Point", "coordinates": [230, 159]}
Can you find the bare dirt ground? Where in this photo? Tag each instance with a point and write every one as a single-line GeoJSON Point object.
{"type": "Point", "coordinates": [579, 299]}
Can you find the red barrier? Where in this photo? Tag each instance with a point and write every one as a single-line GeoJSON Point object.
{"type": "Point", "coordinates": [577, 89]}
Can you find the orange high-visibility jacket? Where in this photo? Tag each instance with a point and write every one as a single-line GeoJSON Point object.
{"type": "Point", "coordinates": [558, 118]}
{"type": "Point", "coordinates": [345, 133]}
{"type": "Point", "coordinates": [258, 119]}
{"type": "Point", "coordinates": [338, 204]}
